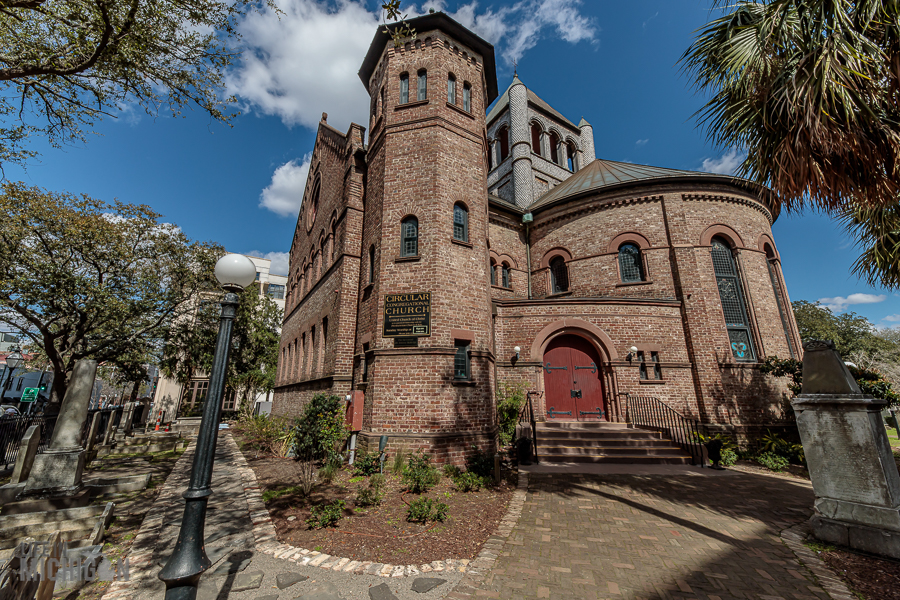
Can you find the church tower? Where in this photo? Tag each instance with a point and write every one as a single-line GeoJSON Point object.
{"type": "Point", "coordinates": [424, 349]}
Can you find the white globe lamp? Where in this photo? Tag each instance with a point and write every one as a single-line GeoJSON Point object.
{"type": "Point", "coordinates": [235, 271]}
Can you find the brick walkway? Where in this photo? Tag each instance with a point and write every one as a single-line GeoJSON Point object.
{"type": "Point", "coordinates": [655, 537]}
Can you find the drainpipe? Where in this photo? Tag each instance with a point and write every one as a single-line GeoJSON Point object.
{"type": "Point", "coordinates": [527, 219]}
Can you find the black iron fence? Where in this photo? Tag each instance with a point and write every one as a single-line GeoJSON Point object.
{"type": "Point", "coordinates": [652, 413]}
{"type": "Point", "coordinates": [12, 430]}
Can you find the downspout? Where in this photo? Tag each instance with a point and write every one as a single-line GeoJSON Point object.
{"type": "Point", "coordinates": [527, 219]}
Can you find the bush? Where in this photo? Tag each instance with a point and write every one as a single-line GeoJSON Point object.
{"type": "Point", "coordinates": [321, 431]}
{"type": "Point", "coordinates": [423, 510]}
{"type": "Point", "coordinates": [371, 495]}
{"type": "Point", "coordinates": [772, 461]}
{"type": "Point", "coordinates": [326, 515]}
{"type": "Point", "coordinates": [451, 471]}
{"type": "Point", "coordinates": [775, 444]}
{"type": "Point", "coordinates": [420, 475]}
{"type": "Point", "coordinates": [329, 470]}
{"type": "Point", "coordinates": [266, 434]}
{"type": "Point", "coordinates": [470, 482]}
{"type": "Point", "coordinates": [366, 464]}
{"type": "Point", "coordinates": [729, 457]}
{"type": "Point", "coordinates": [510, 399]}
{"type": "Point", "coordinates": [480, 463]}
{"type": "Point", "coordinates": [399, 460]}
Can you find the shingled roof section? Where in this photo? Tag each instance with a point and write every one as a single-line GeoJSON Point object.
{"type": "Point", "coordinates": [533, 99]}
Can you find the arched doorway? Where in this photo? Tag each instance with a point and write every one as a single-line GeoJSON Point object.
{"type": "Point", "coordinates": [572, 380]}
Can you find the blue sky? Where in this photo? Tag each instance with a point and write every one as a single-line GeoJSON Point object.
{"type": "Point", "coordinates": [613, 63]}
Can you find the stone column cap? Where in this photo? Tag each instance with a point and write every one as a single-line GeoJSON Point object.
{"type": "Point", "coordinates": [811, 400]}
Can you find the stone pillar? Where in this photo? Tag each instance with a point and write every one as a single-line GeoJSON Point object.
{"type": "Point", "coordinates": [588, 154]}
{"type": "Point", "coordinates": [520, 144]}
{"type": "Point", "coordinates": [58, 470]}
{"type": "Point", "coordinates": [92, 432]}
{"type": "Point", "coordinates": [851, 466]}
{"type": "Point", "coordinates": [28, 448]}
{"type": "Point", "coordinates": [127, 417]}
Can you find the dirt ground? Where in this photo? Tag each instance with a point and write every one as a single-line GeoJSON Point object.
{"type": "Point", "coordinates": [870, 577]}
{"type": "Point", "coordinates": [381, 533]}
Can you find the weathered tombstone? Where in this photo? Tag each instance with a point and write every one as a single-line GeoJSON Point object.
{"type": "Point", "coordinates": [110, 430]}
{"type": "Point", "coordinates": [125, 425]}
{"type": "Point", "coordinates": [28, 448]}
{"type": "Point", "coordinates": [851, 466]}
{"type": "Point", "coordinates": [92, 432]}
{"type": "Point", "coordinates": [59, 469]}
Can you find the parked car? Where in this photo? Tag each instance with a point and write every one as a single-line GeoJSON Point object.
{"type": "Point", "coordinates": [8, 410]}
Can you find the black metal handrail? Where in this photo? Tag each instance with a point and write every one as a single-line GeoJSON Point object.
{"type": "Point", "coordinates": [13, 429]}
{"type": "Point", "coordinates": [527, 416]}
{"type": "Point", "coordinates": [652, 413]}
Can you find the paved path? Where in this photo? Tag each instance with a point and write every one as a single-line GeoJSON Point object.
{"type": "Point", "coordinates": [657, 537]}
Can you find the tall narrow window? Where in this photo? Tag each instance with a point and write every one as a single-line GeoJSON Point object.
{"type": "Point", "coordinates": [493, 272]}
{"type": "Point", "coordinates": [451, 89]}
{"type": "Point", "coordinates": [631, 267]}
{"type": "Point", "coordinates": [772, 263]}
{"type": "Point", "coordinates": [649, 369]}
{"type": "Point", "coordinates": [554, 147]}
{"type": "Point", "coordinates": [383, 99]}
{"type": "Point", "coordinates": [365, 363]}
{"type": "Point", "coordinates": [536, 138]}
{"type": "Point", "coordinates": [404, 88]}
{"type": "Point", "coordinates": [372, 263]}
{"type": "Point", "coordinates": [460, 223]}
{"type": "Point", "coordinates": [504, 143]}
{"type": "Point", "coordinates": [731, 294]}
{"type": "Point", "coordinates": [467, 97]}
{"type": "Point", "coordinates": [570, 157]}
{"type": "Point", "coordinates": [409, 243]}
{"type": "Point", "coordinates": [422, 93]}
{"type": "Point", "coordinates": [505, 275]}
{"type": "Point", "coordinates": [559, 275]}
{"type": "Point", "coordinates": [313, 354]}
{"type": "Point", "coordinates": [324, 335]}
{"type": "Point", "coordinates": [461, 364]}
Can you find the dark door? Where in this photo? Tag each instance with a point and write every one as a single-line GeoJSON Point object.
{"type": "Point", "coordinates": [572, 380]}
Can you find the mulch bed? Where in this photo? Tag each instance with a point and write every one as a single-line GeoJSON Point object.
{"type": "Point", "coordinates": [872, 578]}
{"type": "Point", "coordinates": [381, 533]}
{"type": "Point", "coordinates": [792, 471]}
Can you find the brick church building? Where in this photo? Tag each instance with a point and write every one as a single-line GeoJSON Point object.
{"type": "Point", "coordinates": [459, 248]}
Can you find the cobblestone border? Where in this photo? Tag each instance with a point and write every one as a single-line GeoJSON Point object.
{"type": "Point", "coordinates": [493, 547]}
{"type": "Point", "coordinates": [140, 554]}
{"type": "Point", "coordinates": [794, 538]}
{"type": "Point", "coordinates": [267, 542]}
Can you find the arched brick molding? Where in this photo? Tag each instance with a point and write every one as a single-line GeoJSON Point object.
{"type": "Point", "coordinates": [721, 230]}
{"type": "Point", "coordinates": [628, 236]}
{"type": "Point", "coordinates": [766, 239]}
{"type": "Point", "coordinates": [593, 334]}
{"type": "Point", "coordinates": [553, 253]}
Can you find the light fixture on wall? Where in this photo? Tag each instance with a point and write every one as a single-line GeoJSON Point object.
{"type": "Point", "coordinates": [517, 349]}
{"type": "Point", "coordinates": [631, 352]}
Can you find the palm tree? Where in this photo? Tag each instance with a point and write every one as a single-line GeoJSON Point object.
{"type": "Point", "coordinates": [877, 234]}
{"type": "Point", "coordinates": [811, 89]}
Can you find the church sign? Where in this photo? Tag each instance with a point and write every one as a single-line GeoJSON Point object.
{"type": "Point", "coordinates": [407, 315]}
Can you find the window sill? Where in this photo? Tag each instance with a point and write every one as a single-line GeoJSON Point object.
{"type": "Point", "coordinates": [462, 382]}
{"type": "Point", "coordinates": [461, 110]}
{"type": "Point", "coordinates": [501, 287]}
{"type": "Point", "coordinates": [461, 243]}
{"type": "Point", "coordinates": [411, 104]}
{"type": "Point", "coordinates": [368, 287]}
{"type": "Point", "coordinates": [652, 381]}
{"type": "Point", "coordinates": [400, 259]}
{"type": "Point", "coordinates": [633, 283]}
{"type": "Point", "coordinates": [560, 294]}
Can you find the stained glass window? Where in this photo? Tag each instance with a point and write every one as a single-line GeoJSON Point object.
{"type": "Point", "coordinates": [734, 309]}
{"type": "Point", "coordinates": [631, 268]}
{"type": "Point", "coordinates": [559, 275]}
{"type": "Point", "coordinates": [410, 237]}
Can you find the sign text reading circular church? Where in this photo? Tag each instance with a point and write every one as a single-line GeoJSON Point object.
{"type": "Point", "coordinates": [407, 315]}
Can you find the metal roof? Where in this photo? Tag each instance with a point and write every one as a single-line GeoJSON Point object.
{"type": "Point", "coordinates": [533, 98]}
{"type": "Point", "coordinates": [437, 20]}
{"type": "Point", "coordinates": [601, 174]}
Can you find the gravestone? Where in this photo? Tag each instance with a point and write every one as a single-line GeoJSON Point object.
{"type": "Point", "coordinates": [92, 432]}
{"type": "Point", "coordinates": [59, 469]}
{"type": "Point", "coordinates": [851, 465]}
{"type": "Point", "coordinates": [110, 430]}
{"type": "Point", "coordinates": [28, 448]}
{"type": "Point", "coordinates": [125, 425]}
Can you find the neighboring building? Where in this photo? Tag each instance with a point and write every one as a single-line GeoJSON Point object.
{"type": "Point", "coordinates": [505, 231]}
{"type": "Point", "coordinates": [173, 398]}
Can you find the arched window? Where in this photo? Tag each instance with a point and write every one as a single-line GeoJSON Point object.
{"type": "Point", "coordinates": [772, 263]}
{"type": "Point", "coordinates": [372, 263]}
{"type": "Point", "coordinates": [422, 87]}
{"type": "Point", "coordinates": [383, 99]}
{"type": "Point", "coordinates": [728, 279]}
{"type": "Point", "coordinates": [451, 89]}
{"type": "Point", "coordinates": [554, 147]}
{"type": "Point", "coordinates": [409, 242]}
{"type": "Point", "coordinates": [571, 154]}
{"type": "Point", "coordinates": [536, 132]}
{"type": "Point", "coordinates": [313, 207]}
{"type": "Point", "coordinates": [493, 272]}
{"type": "Point", "coordinates": [559, 275]}
{"type": "Point", "coordinates": [467, 97]}
{"type": "Point", "coordinates": [332, 243]}
{"type": "Point", "coordinates": [460, 223]}
{"type": "Point", "coordinates": [503, 134]}
{"type": "Point", "coordinates": [631, 267]}
{"type": "Point", "coordinates": [404, 88]}
{"type": "Point", "coordinates": [505, 275]}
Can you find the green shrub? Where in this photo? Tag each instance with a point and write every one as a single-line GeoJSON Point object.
{"type": "Point", "coordinates": [451, 471]}
{"type": "Point", "coordinates": [326, 515]}
{"type": "Point", "coordinates": [372, 494]}
{"type": "Point", "coordinates": [399, 462]}
{"type": "Point", "coordinates": [480, 463]}
{"type": "Point", "coordinates": [321, 431]}
{"type": "Point", "coordinates": [775, 444]}
{"type": "Point", "coordinates": [772, 461]}
{"type": "Point", "coordinates": [729, 457]}
{"type": "Point", "coordinates": [329, 470]}
{"type": "Point", "coordinates": [266, 434]}
{"type": "Point", "coordinates": [470, 482]}
{"type": "Point", "coordinates": [423, 510]}
{"type": "Point", "coordinates": [366, 463]}
{"type": "Point", "coordinates": [270, 495]}
{"type": "Point", "coordinates": [420, 475]}
{"type": "Point", "coordinates": [510, 399]}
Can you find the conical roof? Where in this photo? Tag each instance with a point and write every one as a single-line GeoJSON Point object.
{"type": "Point", "coordinates": [533, 98]}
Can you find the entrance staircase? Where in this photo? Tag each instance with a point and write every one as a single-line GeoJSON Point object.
{"type": "Point", "coordinates": [610, 443]}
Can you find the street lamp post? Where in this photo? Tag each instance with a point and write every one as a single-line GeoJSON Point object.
{"type": "Point", "coordinates": [13, 361]}
{"type": "Point", "coordinates": [188, 561]}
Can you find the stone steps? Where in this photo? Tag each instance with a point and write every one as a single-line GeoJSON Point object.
{"type": "Point", "coordinates": [85, 524]}
{"type": "Point", "coordinates": [610, 443]}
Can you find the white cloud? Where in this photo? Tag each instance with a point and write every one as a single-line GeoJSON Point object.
{"type": "Point", "coordinates": [304, 62]}
{"type": "Point", "coordinates": [284, 195]}
{"type": "Point", "coordinates": [279, 260]}
{"type": "Point", "coordinates": [641, 142]}
{"type": "Point", "coordinates": [892, 318]}
{"type": "Point", "coordinates": [840, 304]}
{"type": "Point", "coordinates": [726, 164]}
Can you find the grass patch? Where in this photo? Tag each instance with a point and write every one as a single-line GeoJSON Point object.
{"type": "Point", "coordinates": [270, 495]}
{"type": "Point", "coordinates": [816, 546]}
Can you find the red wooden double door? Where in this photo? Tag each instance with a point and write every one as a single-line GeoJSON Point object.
{"type": "Point", "coordinates": [574, 391]}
